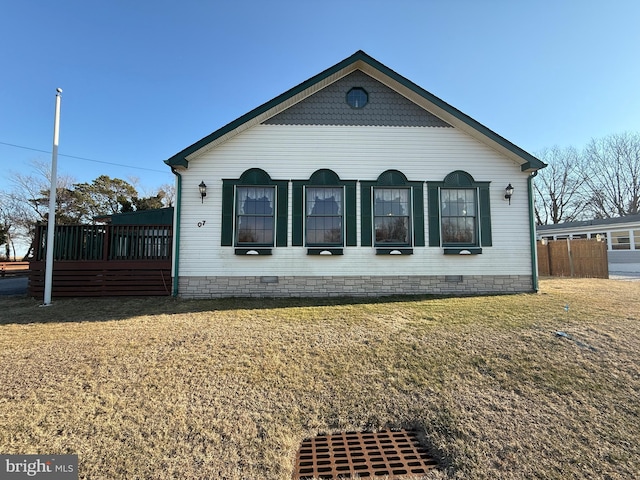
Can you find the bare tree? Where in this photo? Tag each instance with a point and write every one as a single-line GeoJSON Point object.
{"type": "Point", "coordinates": [5, 227]}
{"type": "Point", "coordinates": [560, 186]}
{"type": "Point", "coordinates": [160, 197]}
{"type": "Point", "coordinates": [30, 193]}
{"type": "Point", "coordinates": [27, 201]}
{"type": "Point", "coordinates": [613, 176]}
{"type": "Point", "coordinates": [169, 194]}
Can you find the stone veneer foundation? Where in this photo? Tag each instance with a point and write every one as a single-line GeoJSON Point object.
{"type": "Point", "coordinates": [356, 286]}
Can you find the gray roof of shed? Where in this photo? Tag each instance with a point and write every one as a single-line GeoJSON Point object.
{"type": "Point", "coordinates": [596, 222]}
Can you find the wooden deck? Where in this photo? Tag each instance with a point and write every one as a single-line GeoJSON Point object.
{"type": "Point", "coordinates": [103, 278]}
{"type": "Point", "coordinates": [104, 260]}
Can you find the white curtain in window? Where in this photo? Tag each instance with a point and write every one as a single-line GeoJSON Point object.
{"type": "Point", "coordinates": [324, 201]}
{"type": "Point", "coordinates": [458, 202]}
{"type": "Point", "coordinates": [255, 200]}
{"type": "Point", "coordinates": [391, 201]}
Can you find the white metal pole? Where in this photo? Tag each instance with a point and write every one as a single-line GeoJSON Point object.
{"type": "Point", "coordinates": [51, 224]}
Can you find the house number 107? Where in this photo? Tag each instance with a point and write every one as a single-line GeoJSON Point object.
{"type": "Point", "coordinates": [201, 224]}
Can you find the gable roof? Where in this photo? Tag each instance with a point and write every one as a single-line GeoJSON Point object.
{"type": "Point", "coordinates": [361, 61]}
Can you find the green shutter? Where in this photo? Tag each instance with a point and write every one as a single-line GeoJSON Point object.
{"type": "Point", "coordinates": [282, 214]}
{"type": "Point", "coordinates": [227, 214]}
{"type": "Point", "coordinates": [366, 222]}
{"type": "Point", "coordinates": [255, 176]}
{"type": "Point", "coordinates": [392, 178]}
{"type": "Point", "coordinates": [324, 177]}
{"type": "Point", "coordinates": [434, 215]}
{"type": "Point", "coordinates": [298, 209]}
{"type": "Point", "coordinates": [350, 214]}
{"type": "Point", "coordinates": [485, 217]}
{"type": "Point", "coordinates": [418, 215]}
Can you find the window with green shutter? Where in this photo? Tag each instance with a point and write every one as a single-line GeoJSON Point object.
{"type": "Point", "coordinates": [324, 213]}
{"type": "Point", "coordinates": [254, 212]}
{"type": "Point", "coordinates": [459, 214]}
{"type": "Point", "coordinates": [392, 216]}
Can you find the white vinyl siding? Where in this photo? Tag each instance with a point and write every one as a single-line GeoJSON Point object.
{"type": "Point", "coordinates": [359, 153]}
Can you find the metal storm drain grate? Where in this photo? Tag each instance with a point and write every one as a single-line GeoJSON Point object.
{"type": "Point", "coordinates": [344, 455]}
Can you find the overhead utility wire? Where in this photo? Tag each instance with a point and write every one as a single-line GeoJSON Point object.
{"type": "Point", "coordinates": [82, 158]}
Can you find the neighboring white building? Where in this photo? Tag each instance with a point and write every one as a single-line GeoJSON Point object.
{"type": "Point", "coordinates": [622, 235]}
{"type": "Point", "coordinates": [355, 182]}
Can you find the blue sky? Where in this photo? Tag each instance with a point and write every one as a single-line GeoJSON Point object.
{"type": "Point", "coordinates": [144, 79]}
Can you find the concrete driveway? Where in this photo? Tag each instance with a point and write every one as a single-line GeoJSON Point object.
{"type": "Point", "coordinates": [628, 276]}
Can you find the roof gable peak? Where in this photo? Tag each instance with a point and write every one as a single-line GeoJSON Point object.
{"type": "Point", "coordinates": [360, 60]}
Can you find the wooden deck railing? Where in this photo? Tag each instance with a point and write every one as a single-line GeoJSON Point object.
{"type": "Point", "coordinates": [106, 242]}
{"type": "Point", "coordinates": [104, 260]}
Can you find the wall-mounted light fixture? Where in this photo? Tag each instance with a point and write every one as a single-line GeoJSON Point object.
{"type": "Point", "coordinates": [508, 192]}
{"type": "Point", "coordinates": [203, 190]}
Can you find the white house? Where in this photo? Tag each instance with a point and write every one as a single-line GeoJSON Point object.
{"type": "Point", "coordinates": [356, 182]}
{"type": "Point", "coordinates": [622, 235]}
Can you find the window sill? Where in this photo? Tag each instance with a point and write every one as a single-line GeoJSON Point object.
{"type": "Point", "coordinates": [394, 251]}
{"type": "Point", "coordinates": [324, 251]}
{"type": "Point", "coordinates": [253, 251]}
{"type": "Point", "coordinates": [463, 251]}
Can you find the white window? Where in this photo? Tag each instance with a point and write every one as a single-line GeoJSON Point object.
{"type": "Point", "coordinates": [255, 216]}
{"type": "Point", "coordinates": [324, 216]}
{"type": "Point", "coordinates": [620, 240]}
{"type": "Point", "coordinates": [392, 216]}
{"type": "Point", "coordinates": [459, 216]}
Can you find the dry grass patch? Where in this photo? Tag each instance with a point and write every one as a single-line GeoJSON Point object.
{"type": "Point", "coordinates": [164, 388]}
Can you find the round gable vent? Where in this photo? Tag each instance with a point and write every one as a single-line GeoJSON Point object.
{"type": "Point", "coordinates": [357, 97]}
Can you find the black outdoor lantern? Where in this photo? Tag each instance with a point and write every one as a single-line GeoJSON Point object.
{"type": "Point", "coordinates": [203, 190]}
{"type": "Point", "coordinates": [508, 192]}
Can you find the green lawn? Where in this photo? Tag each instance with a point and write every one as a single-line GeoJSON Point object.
{"type": "Point", "coordinates": [158, 388]}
